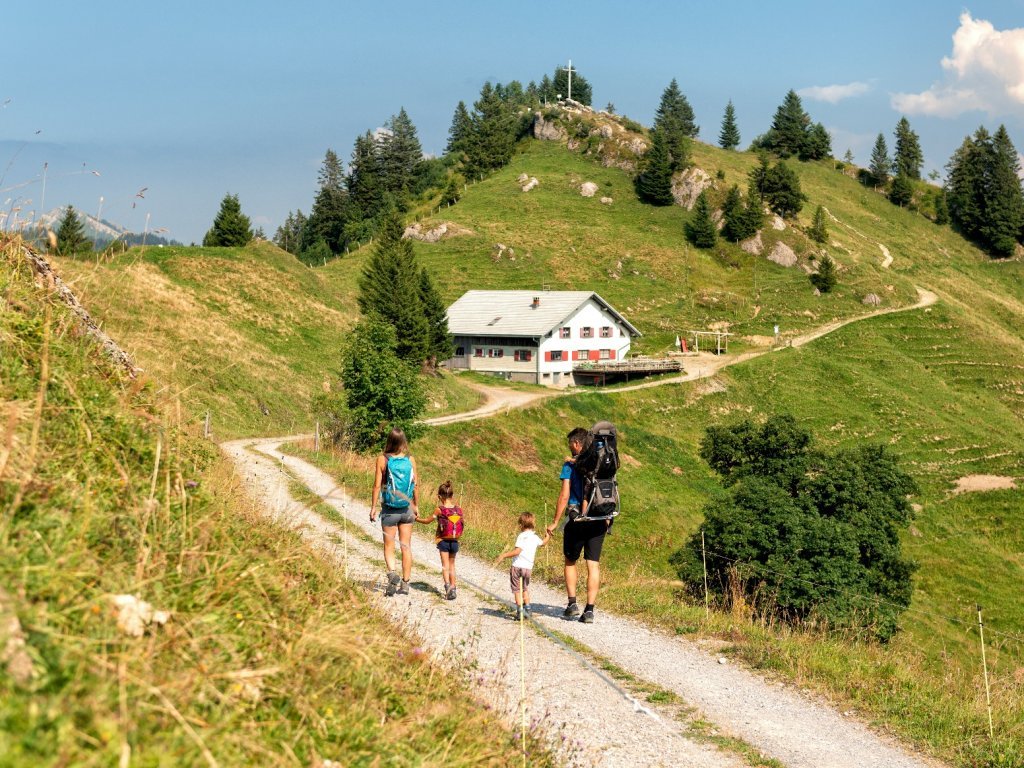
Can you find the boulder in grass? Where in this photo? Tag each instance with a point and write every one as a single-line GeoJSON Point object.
{"type": "Point", "coordinates": [533, 182]}
{"type": "Point", "coordinates": [588, 189]}
{"type": "Point", "coordinates": [753, 245]}
{"type": "Point", "coordinates": [783, 255]}
{"type": "Point", "coordinates": [872, 300]}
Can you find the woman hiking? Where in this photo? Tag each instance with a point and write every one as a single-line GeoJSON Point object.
{"type": "Point", "coordinates": [394, 486]}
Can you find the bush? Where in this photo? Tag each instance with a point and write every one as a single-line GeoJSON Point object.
{"type": "Point", "coordinates": [803, 533]}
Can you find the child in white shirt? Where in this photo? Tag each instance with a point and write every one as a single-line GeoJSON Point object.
{"type": "Point", "coordinates": [523, 553]}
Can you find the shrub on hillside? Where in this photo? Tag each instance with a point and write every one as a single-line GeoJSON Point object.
{"type": "Point", "coordinates": [802, 533]}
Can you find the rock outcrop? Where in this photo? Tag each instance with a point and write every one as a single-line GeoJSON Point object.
{"type": "Point", "coordinates": [439, 232]}
{"type": "Point", "coordinates": [588, 189]}
{"type": "Point", "coordinates": [546, 130]}
{"type": "Point", "coordinates": [687, 186]}
{"type": "Point", "coordinates": [753, 245]}
{"type": "Point", "coordinates": [783, 255]}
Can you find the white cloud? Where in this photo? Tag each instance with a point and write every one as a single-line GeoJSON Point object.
{"type": "Point", "coordinates": [833, 94]}
{"type": "Point", "coordinates": [985, 72]}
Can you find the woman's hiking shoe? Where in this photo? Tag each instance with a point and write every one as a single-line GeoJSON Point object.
{"type": "Point", "coordinates": [403, 588]}
{"type": "Point", "coordinates": [393, 581]}
{"type": "Point", "coordinates": [571, 610]}
{"type": "Point", "coordinates": [451, 593]}
{"type": "Point", "coordinates": [587, 617]}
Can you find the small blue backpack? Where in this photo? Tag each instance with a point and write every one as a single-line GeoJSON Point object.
{"type": "Point", "coordinates": [399, 482]}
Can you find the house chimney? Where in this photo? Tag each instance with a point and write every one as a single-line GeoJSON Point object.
{"type": "Point", "coordinates": [536, 302]}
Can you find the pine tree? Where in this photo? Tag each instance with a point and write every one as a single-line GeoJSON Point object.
{"type": "Point", "coordinates": [941, 209]}
{"type": "Point", "coordinates": [825, 278]}
{"type": "Point", "coordinates": [789, 128]}
{"type": "Point", "coordinates": [965, 184]}
{"type": "Point", "coordinates": [817, 144]}
{"type": "Point", "coordinates": [848, 157]}
{"type": "Point", "coordinates": [330, 212]}
{"type": "Point", "coordinates": [439, 347]}
{"type": "Point", "coordinates": [71, 239]}
{"type": "Point", "coordinates": [546, 90]}
{"type": "Point", "coordinates": [674, 121]}
{"type": "Point", "coordinates": [231, 228]}
{"type": "Point", "coordinates": [732, 213]}
{"type": "Point", "coordinates": [1004, 201]}
{"type": "Point", "coordinates": [494, 133]}
{"type": "Point", "coordinates": [365, 186]}
{"type": "Point", "coordinates": [909, 158]}
{"type": "Point", "coordinates": [819, 229]}
{"type": "Point", "coordinates": [901, 192]}
{"type": "Point", "coordinates": [289, 235]}
{"type": "Point", "coordinates": [581, 90]}
{"type": "Point", "coordinates": [758, 178]}
{"type": "Point", "coordinates": [398, 152]}
{"type": "Point", "coordinates": [701, 229]}
{"type": "Point", "coordinates": [782, 190]}
{"type": "Point", "coordinates": [460, 130]}
{"type": "Point", "coordinates": [753, 218]}
{"type": "Point", "coordinates": [389, 288]}
{"type": "Point", "coordinates": [729, 136]}
{"type": "Point", "coordinates": [654, 184]}
{"type": "Point", "coordinates": [880, 163]}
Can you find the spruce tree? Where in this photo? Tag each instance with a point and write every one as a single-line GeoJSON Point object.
{"type": "Point", "coordinates": [965, 184]}
{"type": "Point", "coordinates": [654, 184]}
{"type": "Point", "coordinates": [231, 228]}
{"type": "Point", "coordinates": [789, 128]}
{"type": "Point", "coordinates": [701, 229]}
{"type": "Point", "coordinates": [459, 132]}
{"type": "Point", "coordinates": [782, 190]}
{"type": "Point", "coordinates": [674, 120]}
{"type": "Point", "coordinates": [365, 185]}
{"type": "Point", "coordinates": [819, 228]}
{"type": "Point", "coordinates": [732, 214]}
{"type": "Point", "coordinates": [581, 90]}
{"type": "Point", "coordinates": [817, 144]}
{"type": "Point", "coordinates": [758, 178]}
{"type": "Point", "coordinates": [909, 158]}
{"type": "Point", "coordinates": [546, 90]}
{"type": "Point", "coordinates": [880, 164]}
{"type": "Point", "coordinates": [825, 278]}
{"type": "Point", "coordinates": [901, 191]}
{"type": "Point", "coordinates": [389, 288]}
{"type": "Point", "coordinates": [848, 157]}
{"type": "Point", "coordinates": [494, 133]}
{"type": "Point", "coordinates": [1004, 201]}
{"type": "Point", "coordinates": [941, 209]}
{"type": "Point", "coordinates": [330, 212]}
{"type": "Point", "coordinates": [71, 238]}
{"type": "Point", "coordinates": [289, 235]}
{"type": "Point", "coordinates": [398, 152]}
{"type": "Point", "coordinates": [439, 347]}
{"type": "Point", "coordinates": [753, 218]}
{"type": "Point", "coordinates": [729, 136]}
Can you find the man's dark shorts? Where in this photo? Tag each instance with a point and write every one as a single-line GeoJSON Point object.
{"type": "Point", "coordinates": [586, 537]}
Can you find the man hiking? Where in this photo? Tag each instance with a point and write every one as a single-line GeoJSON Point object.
{"type": "Point", "coordinates": [584, 537]}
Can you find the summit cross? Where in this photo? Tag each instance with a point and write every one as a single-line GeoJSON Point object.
{"type": "Point", "coordinates": [569, 70]}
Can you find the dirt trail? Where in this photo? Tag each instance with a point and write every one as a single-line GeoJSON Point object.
{"type": "Point", "coordinates": [565, 696]}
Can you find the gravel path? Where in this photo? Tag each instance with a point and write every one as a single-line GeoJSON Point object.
{"type": "Point", "coordinates": [564, 695]}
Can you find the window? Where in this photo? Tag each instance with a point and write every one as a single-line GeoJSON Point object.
{"type": "Point", "coordinates": [523, 355]}
{"type": "Point", "coordinates": [460, 351]}
{"type": "Point", "coordinates": [606, 332]}
{"type": "Point", "coordinates": [564, 333]}
{"type": "Point", "coordinates": [606, 354]}
{"type": "Point", "coordinates": [556, 356]}
{"type": "Point", "coordinates": [478, 352]}
{"type": "Point", "coordinates": [495, 352]}
{"type": "Point", "coordinates": [586, 333]}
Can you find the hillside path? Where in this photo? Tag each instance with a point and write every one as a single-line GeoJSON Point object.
{"type": "Point", "coordinates": [585, 719]}
{"type": "Point", "coordinates": [704, 366]}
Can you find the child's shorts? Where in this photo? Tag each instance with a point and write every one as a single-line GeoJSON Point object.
{"type": "Point", "coordinates": [451, 546]}
{"type": "Point", "coordinates": [514, 575]}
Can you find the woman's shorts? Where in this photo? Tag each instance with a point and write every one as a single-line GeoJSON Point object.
{"type": "Point", "coordinates": [390, 517]}
{"type": "Point", "coordinates": [514, 575]}
{"type": "Point", "coordinates": [451, 546]}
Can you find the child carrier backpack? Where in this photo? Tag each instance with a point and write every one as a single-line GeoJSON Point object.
{"type": "Point", "coordinates": [598, 463]}
{"type": "Point", "coordinates": [449, 523]}
{"type": "Point", "coordinates": [398, 482]}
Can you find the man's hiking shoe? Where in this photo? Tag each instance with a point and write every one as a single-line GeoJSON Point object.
{"type": "Point", "coordinates": [571, 611]}
{"type": "Point", "coordinates": [520, 614]}
{"type": "Point", "coordinates": [451, 593]}
{"type": "Point", "coordinates": [403, 588]}
{"type": "Point", "coordinates": [528, 611]}
{"type": "Point", "coordinates": [587, 617]}
{"type": "Point", "coordinates": [393, 581]}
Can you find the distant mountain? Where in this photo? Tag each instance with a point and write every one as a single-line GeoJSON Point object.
{"type": "Point", "coordinates": [100, 231]}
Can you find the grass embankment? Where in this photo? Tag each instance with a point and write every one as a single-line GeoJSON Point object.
{"type": "Point", "coordinates": [270, 657]}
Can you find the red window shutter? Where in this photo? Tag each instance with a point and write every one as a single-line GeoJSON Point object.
{"type": "Point", "coordinates": [611, 354]}
{"type": "Point", "coordinates": [547, 357]}
{"type": "Point", "coordinates": [594, 354]}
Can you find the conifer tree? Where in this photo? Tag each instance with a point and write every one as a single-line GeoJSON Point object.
{"type": "Point", "coordinates": [819, 229]}
{"type": "Point", "coordinates": [389, 288]}
{"type": "Point", "coordinates": [848, 157]}
{"type": "Point", "coordinates": [71, 237]}
{"type": "Point", "coordinates": [758, 178]}
{"type": "Point", "coordinates": [817, 143]}
{"type": "Point", "coordinates": [753, 218]}
{"type": "Point", "coordinates": [701, 229]}
{"type": "Point", "coordinates": [782, 190]}
{"type": "Point", "coordinates": [732, 213]}
{"type": "Point", "coordinates": [439, 347]}
{"type": "Point", "coordinates": [825, 278]}
{"type": "Point", "coordinates": [674, 120]}
{"type": "Point", "coordinates": [365, 187]}
{"type": "Point", "coordinates": [231, 227]}
{"type": "Point", "coordinates": [289, 235]}
{"type": "Point", "coordinates": [329, 214]}
{"type": "Point", "coordinates": [546, 90]}
{"type": "Point", "coordinates": [729, 136]}
{"type": "Point", "coordinates": [901, 191]}
{"type": "Point", "coordinates": [494, 133]}
{"type": "Point", "coordinates": [460, 130]}
{"type": "Point", "coordinates": [398, 152]}
{"type": "Point", "coordinates": [909, 158]}
{"type": "Point", "coordinates": [941, 209]}
{"type": "Point", "coordinates": [965, 183]}
{"type": "Point", "coordinates": [789, 128]}
{"type": "Point", "coordinates": [581, 90]}
{"type": "Point", "coordinates": [1004, 200]}
{"type": "Point", "coordinates": [880, 162]}
{"type": "Point", "coordinates": [654, 184]}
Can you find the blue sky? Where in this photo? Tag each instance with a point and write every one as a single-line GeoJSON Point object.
{"type": "Point", "coordinates": [192, 100]}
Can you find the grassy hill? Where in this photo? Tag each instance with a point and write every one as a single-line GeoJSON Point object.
{"type": "Point", "coordinates": [944, 386]}
{"type": "Point", "coordinates": [269, 658]}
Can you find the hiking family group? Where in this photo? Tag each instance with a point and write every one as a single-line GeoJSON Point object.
{"type": "Point", "coordinates": [588, 499]}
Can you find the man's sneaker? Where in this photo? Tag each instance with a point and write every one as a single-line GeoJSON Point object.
{"type": "Point", "coordinates": [392, 586]}
{"type": "Point", "coordinates": [403, 588]}
{"type": "Point", "coordinates": [528, 611]}
{"type": "Point", "coordinates": [520, 614]}
{"type": "Point", "coordinates": [451, 593]}
{"type": "Point", "coordinates": [587, 617]}
{"type": "Point", "coordinates": [571, 610]}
